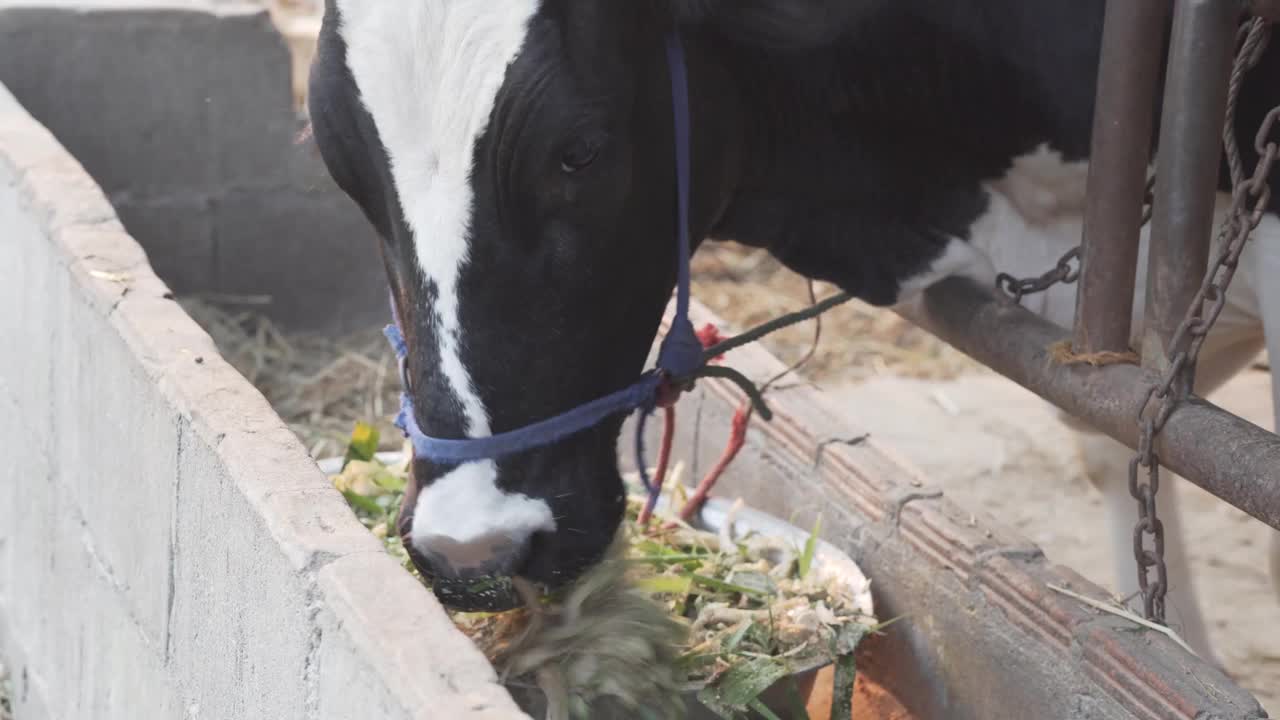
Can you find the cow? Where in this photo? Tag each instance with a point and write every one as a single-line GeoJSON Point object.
{"type": "Point", "coordinates": [515, 158]}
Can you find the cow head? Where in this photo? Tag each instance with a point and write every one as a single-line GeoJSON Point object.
{"type": "Point", "coordinates": [516, 158]}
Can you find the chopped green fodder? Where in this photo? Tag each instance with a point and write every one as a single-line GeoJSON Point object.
{"type": "Point", "coordinates": [738, 625]}
{"type": "Point", "coordinates": [671, 612]}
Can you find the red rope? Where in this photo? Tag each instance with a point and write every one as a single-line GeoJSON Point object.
{"type": "Point", "coordinates": [737, 438]}
{"type": "Point", "coordinates": [664, 456]}
{"type": "Point", "coordinates": [709, 335]}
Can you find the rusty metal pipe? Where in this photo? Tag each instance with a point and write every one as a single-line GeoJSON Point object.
{"type": "Point", "coordinates": [1201, 49]}
{"type": "Point", "coordinates": [1129, 71]}
{"type": "Point", "coordinates": [1231, 458]}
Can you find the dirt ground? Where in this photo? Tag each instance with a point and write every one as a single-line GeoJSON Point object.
{"type": "Point", "coordinates": [998, 449]}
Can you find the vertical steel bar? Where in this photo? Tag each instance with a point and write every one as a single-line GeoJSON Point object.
{"type": "Point", "coordinates": [1189, 157]}
{"type": "Point", "coordinates": [1128, 73]}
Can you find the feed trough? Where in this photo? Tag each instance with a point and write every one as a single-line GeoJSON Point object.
{"type": "Point", "coordinates": [169, 549]}
{"type": "Point", "coordinates": [721, 522]}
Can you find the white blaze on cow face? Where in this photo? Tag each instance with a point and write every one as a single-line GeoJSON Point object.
{"type": "Point", "coordinates": [464, 518]}
{"type": "Point", "coordinates": [428, 72]}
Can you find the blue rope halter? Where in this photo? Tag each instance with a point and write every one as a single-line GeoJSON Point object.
{"type": "Point", "coordinates": [679, 357]}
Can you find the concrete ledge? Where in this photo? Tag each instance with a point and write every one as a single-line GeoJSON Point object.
{"type": "Point", "coordinates": [167, 548]}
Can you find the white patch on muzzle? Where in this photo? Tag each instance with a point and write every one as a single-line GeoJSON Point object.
{"type": "Point", "coordinates": [429, 72]}
{"type": "Point", "coordinates": [466, 519]}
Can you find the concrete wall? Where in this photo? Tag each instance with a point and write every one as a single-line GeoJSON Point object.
{"type": "Point", "coordinates": [183, 112]}
{"type": "Point", "coordinates": [167, 548]}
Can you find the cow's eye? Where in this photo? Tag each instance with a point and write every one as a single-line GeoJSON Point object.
{"type": "Point", "coordinates": [581, 154]}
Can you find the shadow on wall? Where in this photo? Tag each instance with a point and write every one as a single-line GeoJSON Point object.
{"type": "Point", "coordinates": [185, 117]}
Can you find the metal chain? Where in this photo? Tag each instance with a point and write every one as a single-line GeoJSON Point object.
{"type": "Point", "coordinates": [1175, 384]}
{"type": "Point", "coordinates": [1064, 272]}
{"type": "Point", "coordinates": [1206, 306]}
{"type": "Point", "coordinates": [1148, 200]}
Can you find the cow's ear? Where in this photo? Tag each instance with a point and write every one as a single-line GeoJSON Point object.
{"type": "Point", "coordinates": [775, 24]}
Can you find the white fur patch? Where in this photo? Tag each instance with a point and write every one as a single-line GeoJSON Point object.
{"type": "Point", "coordinates": [429, 72]}
{"type": "Point", "coordinates": [959, 258]}
{"type": "Point", "coordinates": [473, 517]}
{"type": "Point", "coordinates": [1041, 195]}
{"type": "Point", "coordinates": [1035, 214]}
{"type": "Point", "coordinates": [1043, 187]}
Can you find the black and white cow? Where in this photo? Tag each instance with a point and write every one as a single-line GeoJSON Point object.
{"type": "Point", "coordinates": [516, 158]}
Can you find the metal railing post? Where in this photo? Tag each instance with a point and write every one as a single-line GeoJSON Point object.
{"type": "Point", "coordinates": [1129, 72]}
{"type": "Point", "coordinates": [1195, 99]}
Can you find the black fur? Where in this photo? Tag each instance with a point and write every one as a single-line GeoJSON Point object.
{"type": "Point", "coordinates": [776, 25]}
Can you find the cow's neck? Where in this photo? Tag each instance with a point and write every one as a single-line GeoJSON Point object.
{"type": "Point", "coordinates": [861, 163]}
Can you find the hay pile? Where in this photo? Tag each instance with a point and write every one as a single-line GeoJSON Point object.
{"type": "Point", "coordinates": [320, 385]}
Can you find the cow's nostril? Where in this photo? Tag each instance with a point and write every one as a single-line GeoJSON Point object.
{"type": "Point", "coordinates": [495, 554]}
